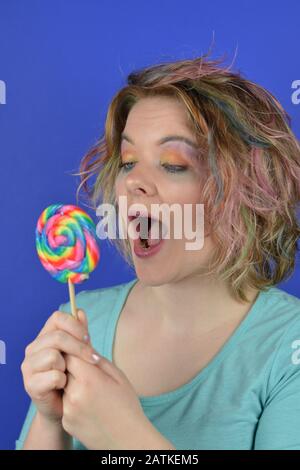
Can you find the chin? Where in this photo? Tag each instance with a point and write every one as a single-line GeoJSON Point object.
{"type": "Point", "coordinates": [151, 277]}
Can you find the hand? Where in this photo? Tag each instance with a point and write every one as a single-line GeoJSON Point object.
{"type": "Point", "coordinates": [44, 365]}
{"type": "Point", "coordinates": [100, 406]}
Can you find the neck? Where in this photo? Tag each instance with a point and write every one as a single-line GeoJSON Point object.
{"type": "Point", "coordinates": [195, 301]}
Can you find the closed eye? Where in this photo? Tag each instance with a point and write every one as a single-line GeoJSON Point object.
{"type": "Point", "coordinates": [168, 167]}
{"type": "Point", "coordinates": [174, 168]}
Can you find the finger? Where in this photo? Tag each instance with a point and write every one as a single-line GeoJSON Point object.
{"type": "Point", "coordinates": [64, 321]}
{"type": "Point", "coordinates": [63, 342]}
{"type": "Point", "coordinates": [77, 367]}
{"type": "Point", "coordinates": [46, 359]}
{"type": "Point", "coordinates": [110, 369]}
{"type": "Point", "coordinates": [45, 382]}
{"type": "Point", "coordinates": [83, 319]}
{"type": "Point", "coordinates": [71, 383]}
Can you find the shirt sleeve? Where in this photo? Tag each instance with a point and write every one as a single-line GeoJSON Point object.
{"type": "Point", "coordinates": [279, 424]}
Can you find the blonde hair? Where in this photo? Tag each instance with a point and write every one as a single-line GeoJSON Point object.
{"type": "Point", "coordinates": [251, 156]}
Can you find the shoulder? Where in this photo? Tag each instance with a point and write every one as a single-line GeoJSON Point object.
{"type": "Point", "coordinates": [278, 310]}
{"type": "Point", "coordinates": [280, 318]}
{"type": "Point", "coordinates": [287, 307]}
{"type": "Point", "coordinates": [282, 299]}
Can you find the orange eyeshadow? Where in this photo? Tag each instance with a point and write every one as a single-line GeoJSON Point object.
{"type": "Point", "coordinates": [173, 158]}
{"type": "Point", "coordinates": [167, 157]}
{"type": "Point", "coordinates": [179, 154]}
{"type": "Point", "coordinates": [127, 156]}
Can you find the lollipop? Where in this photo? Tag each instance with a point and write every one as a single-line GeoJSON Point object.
{"type": "Point", "coordinates": [66, 245]}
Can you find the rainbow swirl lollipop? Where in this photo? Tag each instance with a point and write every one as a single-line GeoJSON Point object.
{"type": "Point", "coordinates": [66, 244]}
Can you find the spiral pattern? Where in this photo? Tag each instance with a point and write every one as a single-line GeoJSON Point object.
{"type": "Point", "coordinates": [66, 243]}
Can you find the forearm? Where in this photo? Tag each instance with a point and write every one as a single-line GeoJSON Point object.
{"type": "Point", "coordinates": [47, 435]}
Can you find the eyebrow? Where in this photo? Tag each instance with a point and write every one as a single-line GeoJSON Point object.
{"type": "Point", "coordinates": [168, 138]}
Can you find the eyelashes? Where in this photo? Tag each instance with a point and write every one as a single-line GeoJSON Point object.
{"type": "Point", "coordinates": [169, 168]}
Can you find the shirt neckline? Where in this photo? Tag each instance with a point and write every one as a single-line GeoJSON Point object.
{"type": "Point", "coordinates": [225, 349]}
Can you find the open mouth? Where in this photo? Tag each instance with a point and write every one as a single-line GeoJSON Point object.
{"type": "Point", "coordinates": [149, 230]}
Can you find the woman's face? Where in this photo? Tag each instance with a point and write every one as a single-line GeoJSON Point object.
{"type": "Point", "coordinates": [162, 173]}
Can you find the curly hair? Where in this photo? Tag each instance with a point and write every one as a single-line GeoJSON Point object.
{"type": "Point", "coordinates": [252, 189]}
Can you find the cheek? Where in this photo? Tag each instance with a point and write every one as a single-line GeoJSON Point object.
{"type": "Point", "coordinates": [120, 194]}
{"type": "Point", "coordinates": [120, 187]}
{"type": "Point", "coordinates": [187, 192]}
{"type": "Point", "coordinates": [193, 214]}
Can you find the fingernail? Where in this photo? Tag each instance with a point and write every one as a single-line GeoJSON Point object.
{"type": "Point", "coordinates": [95, 358]}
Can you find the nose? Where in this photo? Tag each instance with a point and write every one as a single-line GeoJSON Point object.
{"type": "Point", "coordinates": [140, 182]}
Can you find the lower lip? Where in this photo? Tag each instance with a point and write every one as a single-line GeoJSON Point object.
{"type": "Point", "coordinates": [141, 252]}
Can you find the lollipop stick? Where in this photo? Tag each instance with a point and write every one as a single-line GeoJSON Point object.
{"type": "Point", "coordinates": [72, 298]}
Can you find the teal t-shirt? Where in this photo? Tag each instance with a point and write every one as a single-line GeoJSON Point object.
{"type": "Point", "coordinates": [247, 397]}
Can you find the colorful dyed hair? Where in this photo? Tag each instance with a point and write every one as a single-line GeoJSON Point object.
{"type": "Point", "coordinates": [252, 158]}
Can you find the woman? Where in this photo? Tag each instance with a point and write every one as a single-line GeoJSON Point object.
{"type": "Point", "coordinates": [201, 350]}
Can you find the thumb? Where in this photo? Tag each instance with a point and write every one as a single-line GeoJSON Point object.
{"type": "Point", "coordinates": [82, 318]}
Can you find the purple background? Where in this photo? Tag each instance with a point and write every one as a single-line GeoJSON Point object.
{"type": "Point", "coordinates": [62, 62]}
